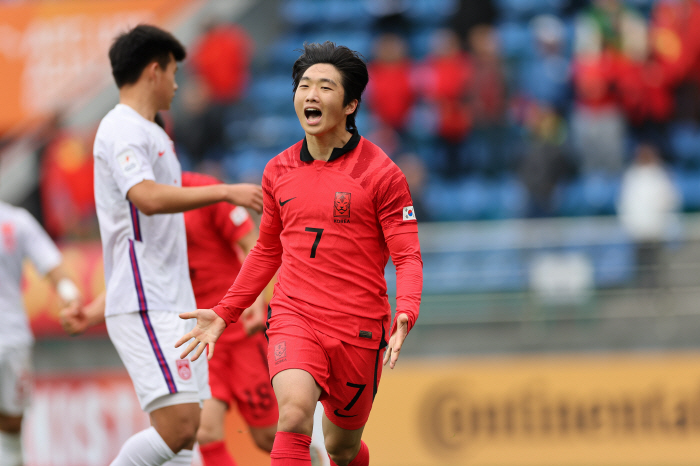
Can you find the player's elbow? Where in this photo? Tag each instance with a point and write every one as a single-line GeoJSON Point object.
{"type": "Point", "coordinates": [147, 198]}
{"type": "Point", "coordinates": [148, 208]}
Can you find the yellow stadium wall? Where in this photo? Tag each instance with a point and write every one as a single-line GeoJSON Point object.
{"type": "Point", "coordinates": [636, 409]}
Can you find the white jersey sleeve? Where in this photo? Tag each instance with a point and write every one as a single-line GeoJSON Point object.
{"type": "Point", "coordinates": [38, 246]}
{"type": "Point", "coordinates": [128, 160]}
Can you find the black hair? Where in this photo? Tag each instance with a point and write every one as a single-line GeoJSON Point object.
{"type": "Point", "coordinates": [350, 64]}
{"type": "Point", "coordinates": [132, 51]}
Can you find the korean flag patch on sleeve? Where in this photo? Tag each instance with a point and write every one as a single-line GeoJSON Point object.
{"type": "Point", "coordinates": [409, 213]}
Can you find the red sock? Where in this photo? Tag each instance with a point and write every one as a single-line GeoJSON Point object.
{"type": "Point", "coordinates": [291, 449]}
{"type": "Point", "coordinates": [216, 454]}
{"type": "Point", "coordinates": [362, 458]}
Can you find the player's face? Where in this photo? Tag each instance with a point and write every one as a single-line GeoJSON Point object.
{"type": "Point", "coordinates": [165, 84]}
{"type": "Point", "coordinates": [318, 100]}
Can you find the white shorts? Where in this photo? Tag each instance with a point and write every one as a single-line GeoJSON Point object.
{"type": "Point", "coordinates": [15, 379]}
{"type": "Point", "coordinates": [145, 341]}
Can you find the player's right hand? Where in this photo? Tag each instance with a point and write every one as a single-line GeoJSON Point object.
{"type": "Point", "coordinates": [208, 329]}
{"type": "Point", "coordinates": [246, 195]}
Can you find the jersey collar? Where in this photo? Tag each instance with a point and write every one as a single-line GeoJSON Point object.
{"type": "Point", "coordinates": [305, 155]}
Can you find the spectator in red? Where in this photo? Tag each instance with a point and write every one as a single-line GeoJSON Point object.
{"type": "Point", "coordinates": [67, 199]}
{"type": "Point", "coordinates": [221, 57]}
{"type": "Point", "coordinates": [488, 92]}
{"type": "Point", "coordinates": [488, 100]}
{"type": "Point", "coordinates": [675, 43]}
{"type": "Point", "coordinates": [597, 120]}
{"type": "Point", "coordinates": [445, 78]}
{"type": "Point", "coordinates": [390, 94]}
{"type": "Point", "coordinates": [643, 87]}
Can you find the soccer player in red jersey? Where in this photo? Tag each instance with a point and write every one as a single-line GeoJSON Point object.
{"type": "Point", "coordinates": [335, 208]}
{"type": "Point", "coordinates": [219, 236]}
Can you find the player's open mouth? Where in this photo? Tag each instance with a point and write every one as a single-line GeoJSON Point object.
{"type": "Point", "coordinates": [313, 115]}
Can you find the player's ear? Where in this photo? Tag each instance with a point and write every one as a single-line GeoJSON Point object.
{"type": "Point", "coordinates": [351, 107]}
{"type": "Point", "coordinates": [151, 70]}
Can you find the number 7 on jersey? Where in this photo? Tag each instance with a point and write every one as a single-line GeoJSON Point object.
{"type": "Point", "coordinates": [319, 232]}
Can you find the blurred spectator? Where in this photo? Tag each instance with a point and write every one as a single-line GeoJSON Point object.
{"type": "Point", "coordinates": [471, 13]}
{"type": "Point", "coordinates": [488, 97]}
{"type": "Point", "coordinates": [390, 94]}
{"type": "Point", "coordinates": [488, 94]}
{"type": "Point", "coordinates": [546, 76]}
{"type": "Point", "coordinates": [415, 171]}
{"type": "Point", "coordinates": [675, 44]}
{"type": "Point", "coordinates": [597, 124]}
{"type": "Point", "coordinates": [445, 83]}
{"type": "Point", "coordinates": [198, 125]}
{"type": "Point", "coordinates": [647, 208]}
{"type": "Point", "coordinates": [65, 182]}
{"type": "Point", "coordinates": [221, 58]}
{"type": "Point", "coordinates": [389, 16]}
{"type": "Point", "coordinates": [545, 163]}
{"type": "Point", "coordinates": [642, 87]}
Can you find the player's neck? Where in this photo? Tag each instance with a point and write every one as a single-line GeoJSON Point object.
{"type": "Point", "coordinates": [321, 145]}
{"type": "Point", "coordinates": [139, 99]}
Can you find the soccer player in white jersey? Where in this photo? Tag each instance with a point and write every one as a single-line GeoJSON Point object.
{"type": "Point", "coordinates": [138, 177]}
{"type": "Point", "coordinates": [21, 237]}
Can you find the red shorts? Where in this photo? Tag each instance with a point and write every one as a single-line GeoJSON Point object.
{"type": "Point", "coordinates": [238, 372]}
{"type": "Point", "coordinates": [348, 375]}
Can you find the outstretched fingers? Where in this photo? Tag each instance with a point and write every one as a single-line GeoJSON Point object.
{"type": "Point", "coordinates": [193, 344]}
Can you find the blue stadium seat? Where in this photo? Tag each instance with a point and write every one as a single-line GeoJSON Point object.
{"type": "Point", "coordinates": [613, 264]}
{"type": "Point", "coordinates": [688, 183]}
{"type": "Point", "coordinates": [515, 39]}
{"type": "Point", "coordinates": [271, 94]}
{"type": "Point", "coordinates": [431, 12]}
{"type": "Point", "coordinates": [525, 9]}
{"type": "Point", "coordinates": [685, 144]}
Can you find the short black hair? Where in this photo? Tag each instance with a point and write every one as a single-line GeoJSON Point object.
{"type": "Point", "coordinates": [132, 51]}
{"type": "Point", "coordinates": [350, 65]}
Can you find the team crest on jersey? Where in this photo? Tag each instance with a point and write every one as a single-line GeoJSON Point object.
{"type": "Point", "coordinates": [7, 231]}
{"type": "Point", "coordinates": [183, 369]}
{"type": "Point", "coordinates": [280, 352]}
{"type": "Point", "coordinates": [341, 207]}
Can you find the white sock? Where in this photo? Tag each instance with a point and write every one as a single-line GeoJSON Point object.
{"type": "Point", "coordinates": [183, 458]}
{"type": "Point", "coordinates": [10, 449]}
{"type": "Point", "coordinates": [146, 448]}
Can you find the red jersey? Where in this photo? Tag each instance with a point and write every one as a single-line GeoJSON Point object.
{"type": "Point", "coordinates": [212, 236]}
{"type": "Point", "coordinates": [328, 224]}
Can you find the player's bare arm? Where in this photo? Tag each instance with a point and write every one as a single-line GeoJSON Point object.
{"type": "Point", "coordinates": [156, 198]}
{"type": "Point", "coordinates": [253, 318]}
{"type": "Point", "coordinates": [208, 329]}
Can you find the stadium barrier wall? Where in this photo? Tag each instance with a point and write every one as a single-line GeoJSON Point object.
{"type": "Point", "coordinates": [558, 410]}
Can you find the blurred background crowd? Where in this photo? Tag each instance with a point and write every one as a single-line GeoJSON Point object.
{"type": "Point", "coordinates": [494, 109]}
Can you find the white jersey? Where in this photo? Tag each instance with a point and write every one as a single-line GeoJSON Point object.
{"type": "Point", "coordinates": [145, 258]}
{"type": "Point", "coordinates": [21, 237]}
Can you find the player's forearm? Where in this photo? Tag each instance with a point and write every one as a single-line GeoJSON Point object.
{"type": "Point", "coordinates": [155, 198]}
{"type": "Point", "coordinates": [405, 253]}
{"type": "Point", "coordinates": [257, 271]}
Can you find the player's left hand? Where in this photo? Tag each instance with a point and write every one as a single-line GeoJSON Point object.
{"type": "Point", "coordinates": [208, 329]}
{"type": "Point", "coordinates": [392, 350]}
